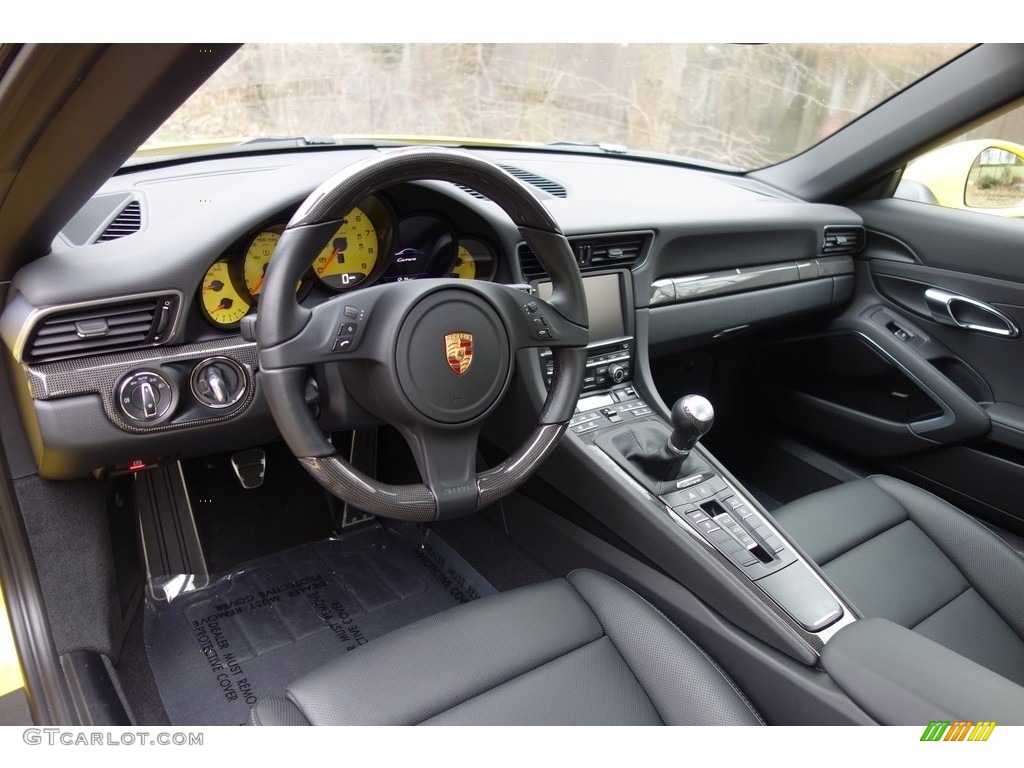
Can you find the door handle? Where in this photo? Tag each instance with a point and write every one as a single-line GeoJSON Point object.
{"type": "Point", "coordinates": [970, 314]}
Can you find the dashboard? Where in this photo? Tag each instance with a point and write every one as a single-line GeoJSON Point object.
{"type": "Point", "coordinates": [125, 342]}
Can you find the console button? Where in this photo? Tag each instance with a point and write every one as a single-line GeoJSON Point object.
{"type": "Point", "coordinates": [707, 526]}
{"type": "Point", "coordinates": [685, 496]}
{"type": "Point", "coordinates": [743, 512]}
{"type": "Point", "coordinates": [697, 515]}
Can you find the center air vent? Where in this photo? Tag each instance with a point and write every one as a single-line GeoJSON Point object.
{"type": "Point", "coordinates": [95, 328]}
{"type": "Point", "coordinates": [553, 188]}
{"type": "Point", "coordinates": [842, 240]}
{"type": "Point", "coordinates": [592, 254]}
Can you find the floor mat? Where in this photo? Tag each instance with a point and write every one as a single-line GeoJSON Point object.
{"type": "Point", "coordinates": [236, 525]}
{"type": "Point", "coordinates": [215, 651]}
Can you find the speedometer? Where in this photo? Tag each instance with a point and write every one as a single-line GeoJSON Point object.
{"type": "Point", "coordinates": [351, 255]}
{"type": "Point", "coordinates": [257, 259]}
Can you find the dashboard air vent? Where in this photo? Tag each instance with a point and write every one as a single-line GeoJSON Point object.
{"type": "Point", "coordinates": [98, 328]}
{"type": "Point", "coordinates": [553, 188]}
{"type": "Point", "coordinates": [471, 191]}
{"type": "Point", "coordinates": [842, 240]}
{"type": "Point", "coordinates": [592, 254]}
{"type": "Point", "coordinates": [127, 222]}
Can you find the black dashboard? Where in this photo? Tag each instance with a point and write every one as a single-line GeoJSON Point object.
{"type": "Point", "coordinates": [125, 344]}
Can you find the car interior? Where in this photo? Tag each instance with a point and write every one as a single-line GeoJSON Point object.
{"type": "Point", "coordinates": [352, 433]}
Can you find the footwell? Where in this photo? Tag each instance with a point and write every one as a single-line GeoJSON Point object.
{"type": "Point", "coordinates": [215, 651]}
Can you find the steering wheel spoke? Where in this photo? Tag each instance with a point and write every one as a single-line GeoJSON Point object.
{"type": "Point", "coordinates": [534, 322]}
{"type": "Point", "coordinates": [339, 330]}
{"type": "Point", "coordinates": [447, 462]}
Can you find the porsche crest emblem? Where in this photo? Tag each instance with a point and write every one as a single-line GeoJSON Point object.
{"type": "Point", "coordinates": [458, 348]}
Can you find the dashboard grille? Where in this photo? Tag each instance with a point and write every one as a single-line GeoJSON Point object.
{"type": "Point", "coordinates": [842, 240]}
{"type": "Point", "coordinates": [127, 222]}
{"type": "Point", "coordinates": [553, 188]}
{"type": "Point", "coordinates": [592, 254]}
{"type": "Point", "coordinates": [101, 328]}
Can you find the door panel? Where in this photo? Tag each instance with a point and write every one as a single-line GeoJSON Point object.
{"type": "Point", "coordinates": [941, 294]}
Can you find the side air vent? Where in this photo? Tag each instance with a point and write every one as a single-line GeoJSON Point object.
{"type": "Point", "coordinates": [97, 328]}
{"type": "Point", "coordinates": [842, 240]}
{"type": "Point", "coordinates": [127, 222]}
{"type": "Point", "coordinates": [592, 254]}
{"type": "Point", "coordinates": [553, 188]}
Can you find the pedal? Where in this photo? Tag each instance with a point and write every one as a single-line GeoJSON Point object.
{"type": "Point", "coordinates": [250, 466]}
{"type": "Point", "coordinates": [362, 456]}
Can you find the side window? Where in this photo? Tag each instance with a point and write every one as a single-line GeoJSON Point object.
{"type": "Point", "coordinates": [981, 170]}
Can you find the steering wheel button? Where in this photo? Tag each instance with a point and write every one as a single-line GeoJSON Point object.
{"type": "Point", "coordinates": [348, 329]}
{"type": "Point", "coordinates": [351, 311]}
{"type": "Point", "coordinates": [342, 345]}
{"type": "Point", "coordinates": [543, 333]}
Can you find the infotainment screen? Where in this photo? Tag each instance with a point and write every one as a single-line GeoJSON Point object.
{"type": "Point", "coordinates": [604, 305]}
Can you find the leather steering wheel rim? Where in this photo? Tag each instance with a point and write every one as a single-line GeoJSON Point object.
{"type": "Point", "coordinates": [282, 323]}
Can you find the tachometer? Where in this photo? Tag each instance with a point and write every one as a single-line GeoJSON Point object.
{"type": "Point", "coordinates": [350, 256]}
{"type": "Point", "coordinates": [220, 298]}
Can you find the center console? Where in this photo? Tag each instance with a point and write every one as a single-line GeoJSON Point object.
{"type": "Point", "coordinates": [672, 476]}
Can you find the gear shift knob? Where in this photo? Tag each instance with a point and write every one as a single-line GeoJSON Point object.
{"type": "Point", "coordinates": [692, 417]}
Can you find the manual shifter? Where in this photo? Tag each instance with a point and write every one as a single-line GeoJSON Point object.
{"type": "Point", "coordinates": [654, 455]}
{"type": "Point", "coordinates": [692, 418]}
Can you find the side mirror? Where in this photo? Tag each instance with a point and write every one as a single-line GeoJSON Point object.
{"type": "Point", "coordinates": [995, 180]}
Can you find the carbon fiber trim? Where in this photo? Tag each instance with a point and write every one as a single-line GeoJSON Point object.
{"type": "Point", "coordinates": [340, 192]}
{"type": "Point", "coordinates": [400, 502]}
{"type": "Point", "coordinates": [415, 503]}
{"type": "Point", "coordinates": [101, 374]}
{"type": "Point", "coordinates": [514, 471]}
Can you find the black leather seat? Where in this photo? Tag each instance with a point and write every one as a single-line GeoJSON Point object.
{"type": "Point", "coordinates": [900, 553]}
{"type": "Point", "coordinates": [585, 650]}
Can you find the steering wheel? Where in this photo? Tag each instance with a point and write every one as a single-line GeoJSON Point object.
{"type": "Point", "coordinates": [431, 357]}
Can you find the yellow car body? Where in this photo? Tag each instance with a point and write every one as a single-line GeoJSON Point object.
{"type": "Point", "coordinates": [948, 174]}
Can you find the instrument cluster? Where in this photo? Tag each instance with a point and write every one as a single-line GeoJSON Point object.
{"type": "Point", "coordinates": [371, 245]}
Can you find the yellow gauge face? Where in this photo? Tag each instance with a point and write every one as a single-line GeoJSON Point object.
{"type": "Point", "coordinates": [475, 260]}
{"type": "Point", "coordinates": [222, 302]}
{"type": "Point", "coordinates": [351, 254]}
{"type": "Point", "coordinates": [257, 259]}
{"type": "Point", "coordinates": [465, 265]}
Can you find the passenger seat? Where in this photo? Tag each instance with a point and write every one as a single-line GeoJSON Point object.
{"type": "Point", "coordinates": [900, 553]}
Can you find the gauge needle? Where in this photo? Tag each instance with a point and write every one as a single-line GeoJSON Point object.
{"type": "Point", "coordinates": [224, 304]}
{"type": "Point", "coordinates": [259, 284]}
{"type": "Point", "coordinates": [327, 263]}
{"type": "Point", "coordinates": [216, 285]}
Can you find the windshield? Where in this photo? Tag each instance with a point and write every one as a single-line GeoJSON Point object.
{"type": "Point", "coordinates": [742, 106]}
